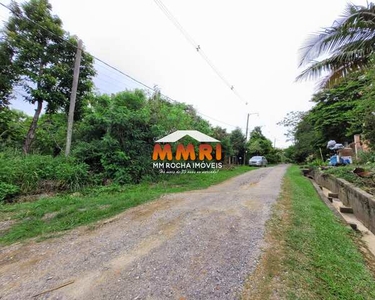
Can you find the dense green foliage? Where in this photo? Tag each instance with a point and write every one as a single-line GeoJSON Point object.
{"type": "Point", "coordinates": [50, 137]}
{"type": "Point", "coordinates": [258, 144]}
{"type": "Point", "coordinates": [116, 136]}
{"type": "Point", "coordinates": [13, 127]}
{"type": "Point", "coordinates": [42, 173]}
{"type": "Point", "coordinates": [7, 75]}
{"type": "Point", "coordinates": [7, 191]}
{"type": "Point", "coordinates": [369, 128]}
{"type": "Point", "coordinates": [238, 142]}
{"type": "Point", "coordinates": [339, 112]}
{"type": "Point", "coordinates": [113, 142]}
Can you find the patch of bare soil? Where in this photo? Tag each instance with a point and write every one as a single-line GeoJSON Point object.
{"type": "Point", "coordinates": [5, 225]}
{"type": "Point", "coordinates": [367, 254]}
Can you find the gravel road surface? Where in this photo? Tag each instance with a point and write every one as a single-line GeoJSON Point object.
{"type": "Point", "coordinates": [193, 245]}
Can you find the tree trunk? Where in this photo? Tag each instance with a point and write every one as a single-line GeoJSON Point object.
{"type": "Point", "coordinates": [31, 133]}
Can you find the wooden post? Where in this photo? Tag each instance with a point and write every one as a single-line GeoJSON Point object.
{"type": "Point", "coordinates": [357, 145]}
{"type": "Point", "coordinates": [73, 96]}
{"type": "Point", "coordinates": [321, 154]}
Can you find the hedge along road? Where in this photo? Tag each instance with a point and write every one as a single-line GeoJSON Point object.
{"type": "Point", "coordinates": [192, 245]}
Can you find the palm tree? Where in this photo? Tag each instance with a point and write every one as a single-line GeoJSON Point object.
{"type": "Point", "coordinates": [345, 47]}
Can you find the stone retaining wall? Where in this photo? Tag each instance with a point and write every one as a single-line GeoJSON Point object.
{"type": "Point", "coordinates": [363, 203]}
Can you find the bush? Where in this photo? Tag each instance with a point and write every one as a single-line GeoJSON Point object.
{"type": "Point", "coordinates": [290, 154]}
{"type": "Point", "coordinates": [8, 191]}
{"type": "Point", "coordinates": [366, 157]}
{"type": "Point", "coordinates": [116, 138]}
{"type": "Point", "coordinates": [42, 173]}
{"type": "Point", "coordinates": [317, 162]}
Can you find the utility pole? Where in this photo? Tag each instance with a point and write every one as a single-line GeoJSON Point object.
{"type": "Point", "coordinates": [247, 122]}
{"type": "Point", "coordinates": [73, 96]}
{"type": "Point", "coordinates": [247, 125]}
{"type": "Point", "coordinates": [247, 130]}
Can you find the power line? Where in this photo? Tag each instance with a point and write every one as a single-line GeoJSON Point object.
{"type": "Point", "coordinates": [110, 77]}
{"type": "Point", "coordinates": [121, 72]}
{"type": "Point", "coordinates": [197, 47]}
{"type": "Point", "coordinates": [216, 120]}
{"type": "Point", "coordinates": [116, 69]}
{"type": "Point", "coordinates": [111, 84]}
{"type": "Point", "coordinates": [170, 16]}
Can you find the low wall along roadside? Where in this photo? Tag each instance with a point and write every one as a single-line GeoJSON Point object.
{"type": "Point", "coordinates": [363, 203]}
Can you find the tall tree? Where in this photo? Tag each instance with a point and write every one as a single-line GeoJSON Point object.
{"type": "Point", "coordinates": [238, 140]}
{"type": "Point", "coordinates": [341, 111]}
{"type": "Point", "coordinates": [349, 44]}
{"type": "Point", "coordinates": [258, 144]}
{"type": "Point", "coordinates": [7, 74]}
{"type": "Point", "coordinates": [306, 139]}
{"type": "Point", "coordinates": [224, 138]}
{"type": "Point", "coordinates": [291, 121]}
{"type": "Point", "coordinates": [369, 129]}
{"type": "Point", "coordinates": [43, 59]}
{"type": "Point", "coordinates": [13, 127]}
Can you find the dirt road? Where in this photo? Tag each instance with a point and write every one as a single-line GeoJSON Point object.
{"type": "Point", "coordinates": [193, 245]}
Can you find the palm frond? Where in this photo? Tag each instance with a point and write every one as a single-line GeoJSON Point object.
{"type": "Point", "coordinates": [358, 23]}
{"type": "Point", "coordinates": [338, 66]}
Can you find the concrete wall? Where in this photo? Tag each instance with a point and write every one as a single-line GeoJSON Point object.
{"type": "Point", "coordinates": [363, 203]}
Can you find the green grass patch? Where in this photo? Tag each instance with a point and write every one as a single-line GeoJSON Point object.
{"type": "Point", "coordinates": [321, 259]}
{"type": "Point", "coordinates": [48, 216]}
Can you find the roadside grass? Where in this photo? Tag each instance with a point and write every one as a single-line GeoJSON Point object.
{"type": "Point", "coordinates": [310, 253]}
{"type": "Point", "coordinates": [50, 216]}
